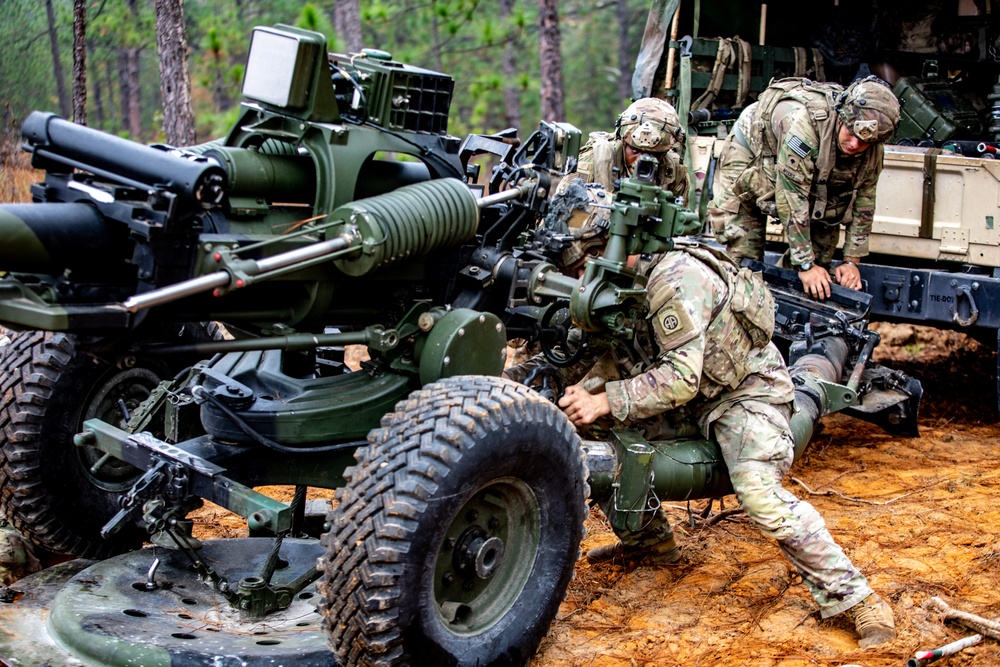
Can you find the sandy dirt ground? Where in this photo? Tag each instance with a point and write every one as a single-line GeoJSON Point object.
{"type": "Point", "coordinates": [919, 516]}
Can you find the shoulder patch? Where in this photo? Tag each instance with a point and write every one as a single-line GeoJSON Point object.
{"type": "Point", "coordinates": [799, 147]}
{"type": "Point", "coordinates": [670, 320]}
{"type": "Point", "coordinates": [673, 326]}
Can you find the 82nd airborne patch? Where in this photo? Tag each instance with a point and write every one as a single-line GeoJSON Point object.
{"type": "Point", "coordinates": [673, 326]}
{"type": "Point", "coordinates": [671, 322]}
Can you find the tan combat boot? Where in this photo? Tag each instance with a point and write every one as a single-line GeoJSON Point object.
{"type": "Point", "coordinates": [873, 620]}
{"type": "Point", "coordinates": [666, 551]}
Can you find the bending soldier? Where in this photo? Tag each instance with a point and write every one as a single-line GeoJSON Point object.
{"type": "Point", "coordinates": [709, 365]}
{"type": "Point", "coordinates": [808, 154]}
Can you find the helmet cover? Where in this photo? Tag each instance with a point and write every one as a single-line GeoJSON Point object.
{"type": "Point", "coordinates": [650, 125]}
{"type": "Point", "coordinates": [869, 109]}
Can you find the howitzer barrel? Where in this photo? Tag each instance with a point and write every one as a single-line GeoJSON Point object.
{"type": "Point", "coordinates": [280, 178]}
{"type": "Point", "coordinates": [49, 238]}
{"type": "Point", "coordinates": [404, 224]}
{"type": "Point", "coordinates": [55, 140]}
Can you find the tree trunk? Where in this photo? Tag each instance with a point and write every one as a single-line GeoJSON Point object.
{"type": "Point", "coordinates": [175, 87]}
{"type": "Point", "coordinates": [218, 71]}
{"type": "Point", "coordinates": [347, 23]}
{"type": "Point", "coordinates": [98, 96]}
{"type": "Point", "coordinates": [553, 106]}
{"type": "Point", "coordinates": [129, 95]}
{"type": "Point", "coordinates": [110, 122]}
{"type": "Point", "coordinates": [80, 61]}
{"type": "Point", "coordinates": [123, 87]}
{"type": "Point", "coordinates": [624, 57]}
{"type": "Point", "coordinates": [134, 93]}
{"type": "Point", "coordinates": [57, 71]}
{"type": "Point", "coordinates": [511, 98]}
{"type": "Point", "coordinates": [435, 44]}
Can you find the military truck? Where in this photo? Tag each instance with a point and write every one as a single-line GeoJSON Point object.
{"type": "Point", "coordinates": [934, 257]}
{"type": "Point", "coordinates": [179, 320]}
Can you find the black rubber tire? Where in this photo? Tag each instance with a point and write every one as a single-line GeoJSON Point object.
{"type": "Point", "coordinates": [469, 465]}
{"type": "Point", "coordinates": [49, 387]}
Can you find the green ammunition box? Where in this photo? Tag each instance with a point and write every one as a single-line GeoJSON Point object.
{"type": "Point", "coordinates": [930, 109]}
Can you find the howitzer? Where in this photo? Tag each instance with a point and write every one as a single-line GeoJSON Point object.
{"type": "Point", "coordinates": [461, 496]}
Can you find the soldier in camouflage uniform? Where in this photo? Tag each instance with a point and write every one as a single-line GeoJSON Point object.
{"type": "Point", "coordinates": [713, 365]}
{"type": "Point", "coordinates": [581, 203]}
{"type": "Point", "coordinates": [648, 126]}
{"type": "Point", "coordinates": [808, 154]}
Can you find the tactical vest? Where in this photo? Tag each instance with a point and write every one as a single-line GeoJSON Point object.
{"type": "Point", "coordinates": [820, 100]}
{"type": "Point", "coordinates": [741, 323]}
{"type": "Point", "coordinates": [603, 159]}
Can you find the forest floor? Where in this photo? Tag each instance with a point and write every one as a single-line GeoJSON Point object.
{"type": "Point", "coordinates": [919, 516]}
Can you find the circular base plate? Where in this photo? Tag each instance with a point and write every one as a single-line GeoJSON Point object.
{"type": "Point", "coordinates": [103, 616]}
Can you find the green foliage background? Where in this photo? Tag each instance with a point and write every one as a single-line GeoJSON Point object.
{"type": "Point", "coordinates": [464, 38]}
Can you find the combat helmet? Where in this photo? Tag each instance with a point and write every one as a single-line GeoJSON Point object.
{"type": "Point", "coordinates": [650, 125]}
{"type": "Point", "coordinates": [869, 109]}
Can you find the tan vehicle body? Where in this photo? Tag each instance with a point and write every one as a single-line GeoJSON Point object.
{"type": "Point", "coordinates": [930, 205]}
{"type": "Point", "coordinates": [934, 205]}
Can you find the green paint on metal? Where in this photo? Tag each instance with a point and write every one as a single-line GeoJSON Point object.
{"type": "Point", "coordinates": [17, 235]}
{"type": "Point", "coordinates": [684, 469]}
{"type": "Point", "coordinates": [115, 613]}
{"type": "Point", "coordinates": [69, 626]}
{"type": "Point", "coordinates": [261, 512]}
{"type": "Point", "coordinates": [487, 555]}
{"type": "Point", "coordinates": [631, 510]}
{"type": "Point", "coordinates": [408, 223]}
{"type": "Point", "coordinates": [463, 342]}
{"type": "Point", "coordinates": [835, 397]}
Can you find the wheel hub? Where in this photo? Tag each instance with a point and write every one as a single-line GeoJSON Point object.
{"type": "Point", "coordinates": [487, 554]}
{"type": "Point", "coordinates": [478, 553]}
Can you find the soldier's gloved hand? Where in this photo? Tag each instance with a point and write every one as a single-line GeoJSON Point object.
{"type": "Point", "coordinates": [816, 282]}
{"type": "Point", "coordinates": [582, 407]}
{"type": "Point", "coordinates": [848, 275]}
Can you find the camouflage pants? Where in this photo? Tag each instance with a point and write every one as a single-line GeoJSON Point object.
{"type": "Point", "coordinates": [824, 240]}
{"type": "Point", "coordinates": [758, 449]}
{"type": "Point", "coordinates": [739, 218]}
{"type": "Point", "coordinates": [736, 219]}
